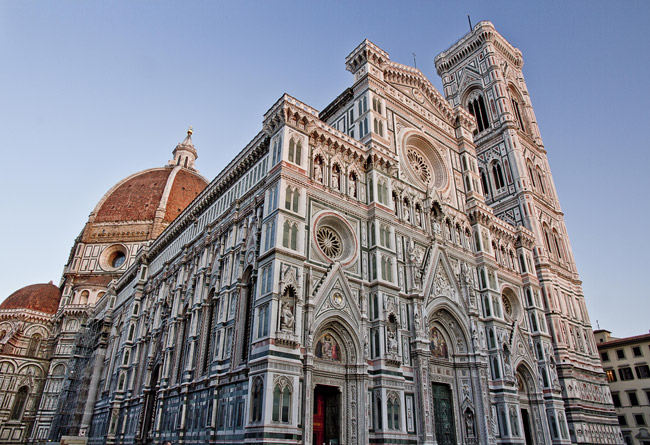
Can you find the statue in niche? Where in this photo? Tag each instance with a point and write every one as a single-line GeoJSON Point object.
{"type": "Point", "coordinates": [438, 344]}
{"type": "Point", "coordinates": [318, 170]}
{"type": "Point", "coordinates": [287, 319]}
{"type": "Point", "coordinates": [418, 218]}
{"type": "Point", "coordinates": [392, 341]}
{"type": "Point", "coordinates": [506, 361]}
{"type": "Point", "coordinates": [469, 423]}
{"type": "Point", "coordinates": [352, 186]}
{"type": "Point", "coordinates": [366, 347]}
{"type": "Point", "coordinates": [407, 214]}
{"type": "Point", "coordinates": [417, 318]}
{"type": "Point", "coordinates": [328, 349]}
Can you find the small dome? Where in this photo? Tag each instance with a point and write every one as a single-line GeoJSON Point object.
{"type": "Point", "coordinates": [43, 297]}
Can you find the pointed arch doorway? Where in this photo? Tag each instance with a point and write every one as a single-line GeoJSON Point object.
{"type": "Point", "coordinates": [336, 388]}
{"type": "Point", "coordinates": [326, 416]}
{"type": "Point", "coordinates": [528, 403]}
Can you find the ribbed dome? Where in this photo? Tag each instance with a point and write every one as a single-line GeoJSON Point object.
{"type": "Point", "coordinates": [141, 206]}
{"type": "Point", "coordinates": [43, 297]}
{"type": "Point", "coordinates": [159, 192]}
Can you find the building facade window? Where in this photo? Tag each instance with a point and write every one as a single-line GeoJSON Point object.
{"type": "Point", "coordinates": [642, 371]}
{"type": "Point", "coordinates": [295, 151]}
{"type": "Point", "coordinates": [281, 403]}
{"type": "Point", "coordinates": [477, 109]}
{"type": "Point", "coordinates": [19, 403]}
{"type": "Point", "coordinates": [625, 374]}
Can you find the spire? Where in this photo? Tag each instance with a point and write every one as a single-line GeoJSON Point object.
{"type": "Point", "coordinates": [185, 153]}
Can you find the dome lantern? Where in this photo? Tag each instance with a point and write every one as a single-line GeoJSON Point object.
{"type": "Point", "coordinates": [185, 154]}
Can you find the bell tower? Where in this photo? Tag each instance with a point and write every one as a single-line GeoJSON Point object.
{"type": "Point", "coordinates": [482, 73]}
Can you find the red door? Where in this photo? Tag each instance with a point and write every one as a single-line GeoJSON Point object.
{"type": "Point", "coordinates": [319, 418]}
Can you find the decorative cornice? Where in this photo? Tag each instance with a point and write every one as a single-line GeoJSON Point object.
{"type": "Point", "coordinates": [406, 75]}
{"type": "Point", "coordinates": [483, 32]}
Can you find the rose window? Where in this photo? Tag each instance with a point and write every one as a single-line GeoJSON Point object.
{"type": "Point", "coordinates": [419, 165]}
{"type": "Point", "coordinates": [329, 242]}
{"type": "Point", "coordinates": [506, 306]}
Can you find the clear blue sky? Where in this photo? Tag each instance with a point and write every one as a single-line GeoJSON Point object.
{"type": "Point", "coordinates": [91, 92]}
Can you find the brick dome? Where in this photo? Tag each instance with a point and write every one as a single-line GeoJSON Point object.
{"type": "Point", "coordinates": [155, 193]}
{"type": "Point", "coordinates": [141, 206]}
{"type": "Point", "coordinates": [43, 297]}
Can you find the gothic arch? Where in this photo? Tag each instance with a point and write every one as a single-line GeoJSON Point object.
{"type": "Point", "coordinates": [454, 324]}
{"type": "Point", "coordinates": [341, 330]}
{"type": "Point", "coordinates": [525, 372]}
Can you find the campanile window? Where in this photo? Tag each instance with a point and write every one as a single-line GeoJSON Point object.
{"type": "Point", "coordinates": [477, 109]}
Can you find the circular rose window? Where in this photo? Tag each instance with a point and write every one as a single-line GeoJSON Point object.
{"type": "Point", "coordinates": [423, 163]}
{"type": "Point", "coordinates": [334, 238]}
{"type": "Point", "coordinates": [329, 242]}
{"type": "Point", "coordinates": [419, 165]}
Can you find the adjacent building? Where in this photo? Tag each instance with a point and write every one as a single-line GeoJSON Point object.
{"type": "Point", "coordinates": [392, 269]}
{"type": "Point", "coordinates": [626, 362]}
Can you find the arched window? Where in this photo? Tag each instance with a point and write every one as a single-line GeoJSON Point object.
{"type": "Point", "coordinates": [540, 178]}
{"type": "Point", "coordinates": [185, 162]}
{"type": "Point", "coordinates": [497, 174]}
{"type": "Point", "coordinates": [515, 109]}
{"type": "Point", "coordinates": [291, 199]}
{"type": "Point", "coordinates": [34, 345]}
{"type": "Point", "coordinates": [558, 245]}
{"type": "Point", "coordinates": [532, 176]}
{"type": "Point", "coordinates": [277, 151]}
{"type": "Point", "coordinates": [281, 403]}
{"type": "Point", "coordinates": [295, 151]}
{"type": "Point", "coordinates": [299, 153]}
{"type": "Point", "coordinates": [547, 240]}
{"type": "Point", "coordinates": [484, 184]}
{"type": "Point", "coordinates": [257, 400]}
{"type": "Point", "coordinates": [288, 193]}
{"type": "Point", "coordinates": [476, 108]}
{"type": "Point", "coordinates": [131, 332]}
{"type": "Point", "coordinates": [83, 299]}
{"type": "Point", "coordinates": [386, 268]}
{"type": "Point", "coordinates": [290, 235]}
{"type": "Point", "coordinates": [286, 234]}
{"type": "Point", "coordinates": [294, 237]}
{"type": "Point", "coordinates": [384, 236]}
{"type": "Point", "coordinates": [19, 403]}
{"type": "Point", "coordinates": [379, 127]}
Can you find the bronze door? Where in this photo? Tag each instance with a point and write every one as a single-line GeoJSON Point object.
{"type": "Point", "coordinates": [443, 408]}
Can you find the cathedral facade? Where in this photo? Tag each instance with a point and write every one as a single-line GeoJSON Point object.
{"type": "Point", "coordinates": [392, 269]}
